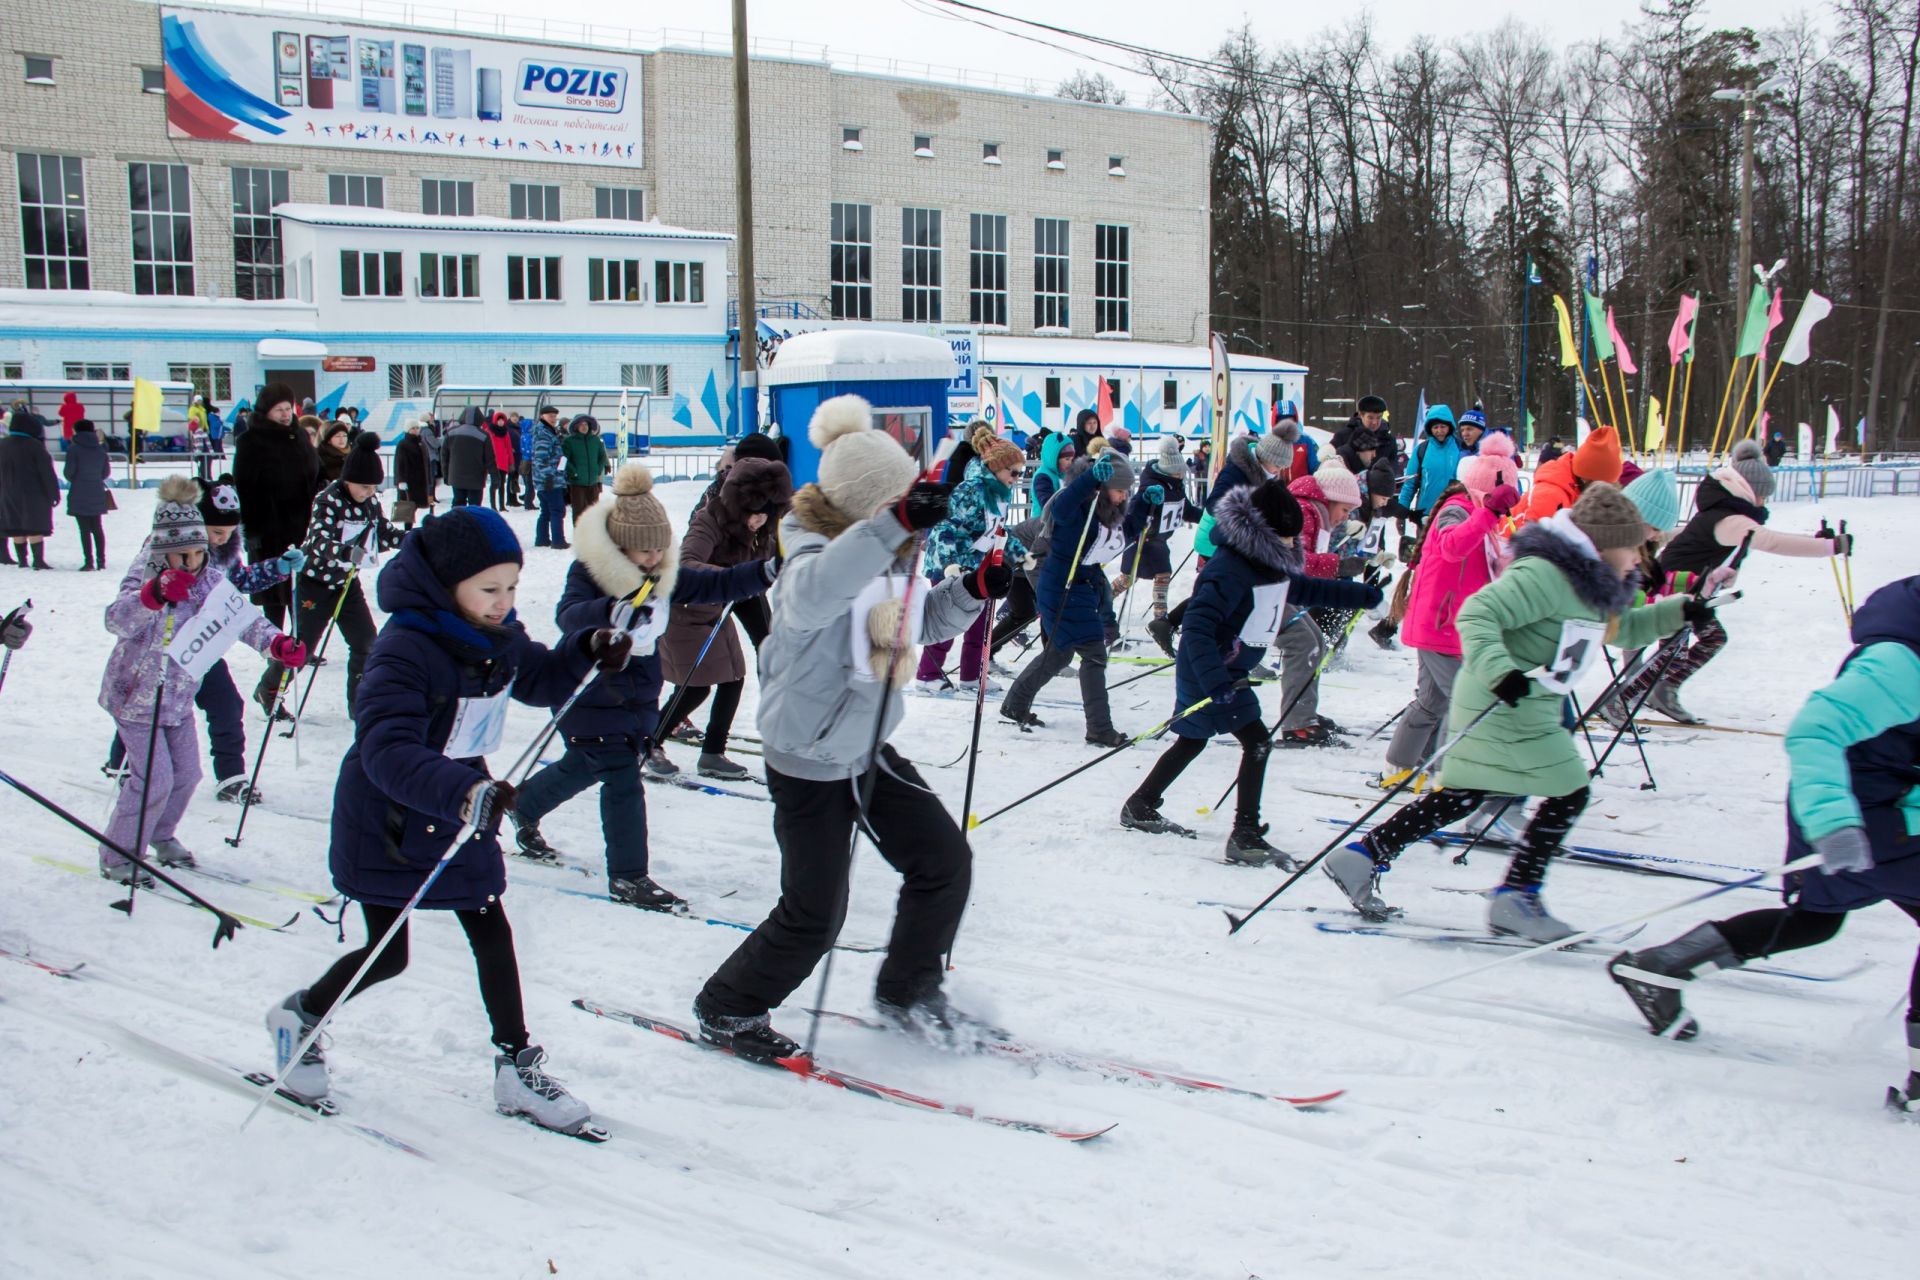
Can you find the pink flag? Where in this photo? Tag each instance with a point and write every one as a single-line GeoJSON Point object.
{"type": "Point", "coordinates": [1680, 339]}
{"type": "Point", "coordinates": [1621, 355]}
{"type": "Point", "coordinates": [1774, 317]}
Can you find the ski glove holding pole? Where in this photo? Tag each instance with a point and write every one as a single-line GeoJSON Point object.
{"type": "Point", "coordinates": [923, 506]}
{"type": "Point", "coordinates": [1844, 850]}
{"type": "Point", "coordinates": [992, 580]}
{"type": "Point", "coordinates": [15, 629]}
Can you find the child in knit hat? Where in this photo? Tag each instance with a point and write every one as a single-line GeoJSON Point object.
{"type": "Point", "coordinates": [1526, 639]}
{"type": "Point", "coordinates": [1159, 508]}
{"type": "Point", "coordinates": [622, 545]}
{"type": "Point", "coordinates": [149, 694]}
{"type": "Point", "coordinates": [431, 709]}
{"type": "Point", "coordinates": [973, 530]}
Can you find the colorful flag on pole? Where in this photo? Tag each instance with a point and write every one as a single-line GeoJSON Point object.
{"type": "Point", "coordinates": [1774, 316]}
{"type": "Point", "coordinates": [1680, 338]}
{"type": "Point", "coordinates": [1222, 379]}
{"type": "Point", "coordinates": [1656, 425]}
{"type": "Point", "coordinates": [1800, 337]}
{"type": "Point", "coordinates": [1621, 355]}
{"type": "Point", "coordinates": [1753, 330]}
{"type": "Point", "coordinates": [146, 405]}
{"type": "Point", "coordinates": [1598, 327]}
{"type": "Point", "coordinates": [1806, 441]}
{"type": "Point", "coordinates": [1104, 405]}
{"type": "Point", "coordinates": [1833, 428]}
{"type": "Point", "coordinates": [1568, 356]}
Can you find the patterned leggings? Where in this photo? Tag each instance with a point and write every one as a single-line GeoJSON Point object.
{"type": "Point", "coordinates": [1443, 808]}
{"type": "Point", "coordinates": [1708, 639]}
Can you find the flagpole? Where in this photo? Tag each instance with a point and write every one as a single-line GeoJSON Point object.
{"type": "Point", "coordinates": [1625, 400]}
{"type": "Point", "coordinates": [1613, 413]}
{"type": "Point", "coordinates": [1761, 407]}
{"type": "Point", "coordinates": [1686, 394]}
{"type": "Point", "coordinates": [1719, 419]}
{"type": "Point", "coordinates": [1739, 407]}
{"type": "Point", "coordinates": [1668, 402]}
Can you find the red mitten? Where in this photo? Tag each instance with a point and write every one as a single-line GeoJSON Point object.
{"type": "Point", "coordinates": [288, 652]}
{"type": "Point", "coordinates": [1502, 499]}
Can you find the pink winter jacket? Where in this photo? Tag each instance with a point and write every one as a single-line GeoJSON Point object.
{"type": "Point", "coordinates": [1460, 557]}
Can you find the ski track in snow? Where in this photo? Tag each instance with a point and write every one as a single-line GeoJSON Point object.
{"type": "Point", "coordinates": [1487, 1126]}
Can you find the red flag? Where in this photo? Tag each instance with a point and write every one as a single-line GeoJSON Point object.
{"type": "Point", "coordinates": [1621, 355]}
{"type": "Point", "coordinates": [1105, 407]}
{"type": "Point", "coordinates": [1680, 339]}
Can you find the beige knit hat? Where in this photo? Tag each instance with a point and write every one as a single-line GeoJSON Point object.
{"type": "Point", "coordinates": [861, 470]}
{"type": "Point", "coordinates": [1608, 517]}
{"type": "Point", "coordinates": [638, 522]}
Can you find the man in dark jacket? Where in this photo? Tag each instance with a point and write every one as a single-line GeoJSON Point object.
{"type": "Point", "coordinates": [1776, 449]}
{"type": "Point", "coordinates": [412, 477]}
{"type": "Point", "coordinates": [277, 473]}
{"type": "Point", "coordinates": [28, 490]}
{"type": "Point", "coordinates": [465, 453]}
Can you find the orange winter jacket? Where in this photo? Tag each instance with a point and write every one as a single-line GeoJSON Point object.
{"type": "Point", "coordinates": [1556, 485]}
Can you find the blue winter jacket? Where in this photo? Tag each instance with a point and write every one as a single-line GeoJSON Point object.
{"type": "Point", "coordinates": [1855, 753]}
{"type": "Point", "coordinates": [1211, 657]}
{"type": "Point", "coordinates": [397, 803]}
{"type": "Point", "coordinates": [973, 506]}
{"type": "Point", "coordinates": [549, 464]}
{"type": "Point", "coordinates": [1080, 622]}
{"type": "Point", "coordinates": [1429, 471]}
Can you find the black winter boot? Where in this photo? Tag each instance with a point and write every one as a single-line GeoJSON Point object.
{"type": "Point", "coordinates": [642, 892]}
{"type": "Point", "coordinates": [1137, 815]}
{"type": "Point", "coordinates": [1248, 845]}
{"type": "Point", "coordinates": [6, 552]}
{"type": "Point", "coordinates": [749, 1037]}
{"type": "Point", "coordinates": [40, 556]}
{"type": "Point", "coordinates": [1654, 978]}
{"type": "Point", "coordinates": [1908, 1099]}
{"type": "Point", "coordinates": [20, 553]}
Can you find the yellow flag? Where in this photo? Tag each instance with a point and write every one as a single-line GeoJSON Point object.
{"type": "Point", "coordinates": [1656, 426]}
{"type": "Point", "coordinates": [1568, 358]}
{"type": "Point", "coordinates": [146, 405]}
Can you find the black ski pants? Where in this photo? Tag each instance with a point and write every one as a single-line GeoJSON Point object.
{"type": "Point", "coordinates": [813, 823]}
{"type": "Point", "coordinates": [1255, 745]}
{"type": "Point", "coordinates": [1436, 809]}
{"type": "Point", "coordinates": [1772, 930]}
{"type": "Point", "coordinates": [1021, 612]}
{"type": "Point", "coordinates": [354, 625]}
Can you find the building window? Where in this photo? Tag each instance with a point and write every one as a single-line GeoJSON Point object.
{"type": "Point", "coordinates": [153, 80]}
{"type": "Point", "coordinates": [987, 269]}
{"type": "Point", "coordinates": [989, 153]}
{"type": "Point", "coordinates": [533, 279]}
{"type": "Point", "coordinates": [1112, 279]}
{"type": "Point", "coordinates": [923, 145]}
{"type": "Point", "coordinates": [850, 139]}
{"type": "Point", "coordinates": [162, 207]}
{"type": "Point", "coordinates": [370, 275]}
{"type": "Point", "coordinates": [1117, 166]}
{"type": "Point", "coordinates": [53, 221]}
{"type": "Point", "coordinates": [650, 377]}
{"type": "Point", "coordinates": [850, 262]}
{"type": "Point", "coordinates": [680, 282]}
{"type": "Point", "coordinates": [1051, 241]}
{"type": "Point", "coordinates": [39, 70]}
{"type": "Point", "coordinates": [1052, 393]}
{"type": "Point", "coordinates": [413, 381]}
{"type": "Point", "coordinates": [78, 371]}
{"type": "Point", "coordinates": [1170, 394]}
{"type": "Point", "coordinates": [12, 370]}
{"type": "Point", "coordinates": [613, 280]}
{"type": "Point", "coordinates": [357, 190]}
{"type": "Point", "coordinates": [539, 375]}
{"type": "Point", "coordinates": [446, 198]}
{"type": "Point", "coordinates": [920, 265]}
{"type": "Point", "coordinates": [449, 275]}
{"type": "Point", "coordinates": [214, 381]}
{"type": "Point", "coordinates": [1056, 158]}
{"type": "Point", "coordinates": [531, 202]}
{"type": "Point", "coordinates": [627, 204]}
{"type": "Point", "coordinates": [258, 270]}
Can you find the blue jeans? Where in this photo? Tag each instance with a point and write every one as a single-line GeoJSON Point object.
{"type": "Point", "coordinates": [226, 728]}
{"type": "Point", "coordinates": [615, 764]}
{"type": "Point", "coordinates": [550, 527]}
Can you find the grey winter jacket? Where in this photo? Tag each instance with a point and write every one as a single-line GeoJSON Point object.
{"type": "Point", "coordinates": [465, 452]}
{"type": "Point", "coordinates": [815, 717]}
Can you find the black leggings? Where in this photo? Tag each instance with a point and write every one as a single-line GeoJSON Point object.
{"type": "Point", "coordinates": [93, 540]}
{"type": "Point", "coordinates": [1551, 822]}
{"type": "Point", "coordinates": [1775, 929]}
{"type": "Point", "coordinates": [1255, 745]}
{"type": "Point", "coordinates": [491, 938]}
{"type": "Point", "coordinates": [726, 702]}
{"type": "Point", "coordinates": [1022, 609]}
{"type": "Point", "coordinates": [497, 490]}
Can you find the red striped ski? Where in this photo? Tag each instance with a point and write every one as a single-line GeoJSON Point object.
{"type": "Point", "coordinates": [809, 1070]}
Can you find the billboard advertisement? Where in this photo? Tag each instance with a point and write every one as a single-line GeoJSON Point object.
{"type": "Point", "coordinates": [249, 77]}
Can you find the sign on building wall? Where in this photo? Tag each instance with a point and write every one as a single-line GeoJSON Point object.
{"type": "Point", "coordinates": [286, 78]}
{"type": "Point", "coordinates": [348, 364]}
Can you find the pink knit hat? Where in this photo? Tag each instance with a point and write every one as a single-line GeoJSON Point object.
{"type": "Point", "coordinates": [1492, 467]}
{"type": "Point", "coordinates": [1337, 484]}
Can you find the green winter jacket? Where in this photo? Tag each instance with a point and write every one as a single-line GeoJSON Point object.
{"type": "Point", "coordinates": [586, 455]}
{"type": "Point", "coordinates": [1514, 624]}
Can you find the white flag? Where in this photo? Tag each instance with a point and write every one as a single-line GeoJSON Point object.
{"type": "Point", "coordinates": [1800, 337]}
{"type": "Point", "coordinates": [1806, 442]}
{"type": "Point", "coordinates": [1833, 427]}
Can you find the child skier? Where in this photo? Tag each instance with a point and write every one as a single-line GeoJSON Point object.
{"type": "Point", "coordinates": [1326, 499]}
{"type": "Point", "coordinates": [1232, 616]}
{"type": "Point", "coordinates": [976, 507]}
{"type": "Point", "coordinates": [829, 698]}
{"type": "Point", "coordinates": [163, 591]}
{"type": "Point", "coordinates": [620, 544]}
{"type": "Point", "coordinates": [1854, 755]}
{"type": "Point", "coordinates": [1156, 522]}
{"type": "Point", "coordinates": [434, 705]}
{"type": "Point", "coordinates": [1569, 589]}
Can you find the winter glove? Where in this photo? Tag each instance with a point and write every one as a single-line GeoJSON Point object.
{"type": "Point", "coordinates": [292, 561]}
{"type": "Point", "coordinates": [487, 803]}
{"type": "Point", "coordinates": [1102, 470]}
{"type": "Point", "coordinates": [288, 652]}
{"type": "Point", "coordinates": [1720, 579]}
{"type": "Point", "coordinates": [609, 648]}
{"type": "Point", "coordinates": [1512, 687]}
{"type": "Point", "coordinates": [171, 587]}
{"type": "Point", "coordinates": [1374, 596]}
{"type": "Point", "coordinates": [1406, 550]}
{"type": "Point", "coordinates": [15, 628]}
{"type": "Point", "coordinates": [1501, 499]}
{"type": "Point", "coordinates": [923, 506]}
{"type": "Point", "coordinates": [1382, 559]}
{"type": "Point", "coordinates": [1844, 850]}
{"type": "Point", "coordinates": [1697, 612]}
{"type": "Point", "coordinates": [991, 581]}
{"type": "Point", "coordinates": [1843, 544]}
{"type": "Point", "coordinates": [1350, 566]}
{"type": "Point", "coordinates": [1154, 495]}
{"type": "Point", "coordinates": [1353, 528]}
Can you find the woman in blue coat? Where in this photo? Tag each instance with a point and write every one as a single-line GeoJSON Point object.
{"type": "Point", "coordinates": [87, 468]}
{"type": "Point", "coordinates": [1242, 597]}
{"type": "Point", "coordinates": [430, 708]}
{"type": "Point", "coordinates": [1434, 461]}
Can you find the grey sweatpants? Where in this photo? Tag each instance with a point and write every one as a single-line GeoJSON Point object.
{"type": "Point", "coordinates": [1299, 646]}
{"type": "Point", "coordinates": [1418, 735]}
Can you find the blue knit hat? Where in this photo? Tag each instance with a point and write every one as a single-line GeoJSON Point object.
{"type": "Point", "coordinates": [466, 541]}
{"type": "Point", "coordinates": [1472, 417]}
{"type": "Point", "coordinates": [1658, 496]}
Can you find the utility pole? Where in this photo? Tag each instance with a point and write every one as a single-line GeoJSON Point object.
{"type": "Point", "coordinates": [748, 314]}
{"type": "Point", "coordinates": [1746, 195]}
{"type": "Point", "coordinates": [1893, 239]}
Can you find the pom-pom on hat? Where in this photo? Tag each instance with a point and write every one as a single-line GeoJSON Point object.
{"type": "Point", "coordinates": [363, 461]}
{"type": "Point", "coordinates": [177, 524]}
{"type": "Point", "coordinates": [1492, 467]}
{"type": "Point", "coordinates": [466, 541]}
{"type": "Point", "coordinates": [1607, 518]}
{"type": "Point", "coordinates": [1657, 495]}
{"type": "Point", "coordinates": [220, 506]}
{"type": "Point", "coordinates": [1750, 463]}
{"type": "Point", "coordinates": [1278, 507]}
{"type": "Point", "coordinates": [637, 522]}
{"type": "Point", "coordinates": [861, 470]}
{"type": "Point", "coordinates": [1337, 484]}
{"type": "Point", "coordinates": [996, 454]}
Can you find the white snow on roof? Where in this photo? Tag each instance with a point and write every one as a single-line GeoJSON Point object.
{"type": "Point", "coordinates": [1110, 353]}
{"type": "Point", "coordinates": [327, 215]}
{"type": "Point", "coordinates": [848, 355]}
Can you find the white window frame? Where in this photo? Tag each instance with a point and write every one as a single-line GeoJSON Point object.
{"type": "Point", "coordinates": [34, 75]}
{"type": "Point", "coordinates": [254, 226]}
{"type": "Point", "coordinates": [13, 370]}
{"type": "Point", "coordinates": [1116, 166]}
{"type": "Point", "coordinates": [607, 202]}
{"type": "Point", "coordinates": [1112, 280]}
{"type": "Point", "coordinates": [610, 279]}
{"type": "Point", "coordinates": [988, 270]}
{"type": "Point", "coordinates": [390, 277]}
{"type": "Point", "coordinates": [990, 153]}
{"type": "Point", "coordinates": [371, 185]}
{"type": "Point", "coordinates": [179, 208]}
{"type": "Point", "coordinates": [414, 381]}
{"type": "Point", "coordinates": [852, 138]}
{"type": "Point", "coordinates": [920, 275]}
{"type": "Point", "coordinates": [97, 371]}
{"type": "Point", "coordinates": [850, 261]}
{"type": "Point", "coordinates": [1170, 393]}
{"type": "Point", "coordinates": [679, 282]}
{"type": "Point", "coordinates": [523, 196]}
{"type": "Point", "coordinates": [65, 211]}
{"type": "Point", "coordinates": [533, 277]}
{"type": "Point", "coordinates": [1056, 158]}
{"type": "Point", "coordinates": [440, 270]}
{"type": "Point", "coordinates": [1052, 275]}
{"type": "Point", "coordinates": [153, 80]}
{"type": "Point", "coordinates": [923, 145]}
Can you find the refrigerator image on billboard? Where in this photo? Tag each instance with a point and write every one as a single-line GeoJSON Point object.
{"type": "Point", "coordinates": [288, 68]}
{"type": "Point", "coordinates": [489, 93]}
{"type": "Point", "coordinates": [320, 73]}
{"type": "Point", "coordinates": [376, 76]}
{"type": "Point", "coordinates": [340, 58]}
{"type": "Point", "coordinates": [413, 78]}
{"type": "Point", "coordinates": [453, 84]}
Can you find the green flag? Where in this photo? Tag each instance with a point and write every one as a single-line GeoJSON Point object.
{"type": "Point", "coordinates": [1753, 331]}
{"type": "Point", "coordinates": [1597, 327]}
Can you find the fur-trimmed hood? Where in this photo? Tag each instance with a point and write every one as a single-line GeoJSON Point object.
{"type": "Point", "coordinates": [1238, 524]}
{"type": "Point", "coordinates": [608, 565]}
{"type": "Point", "coordinates": [1559, 541]}
{"type": "Point", "coordinates": [816, 514]}
{"type": "Point", "coordinates": [1240, 454]}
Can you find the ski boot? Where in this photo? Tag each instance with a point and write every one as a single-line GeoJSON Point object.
{"type": "Point", "coordinates": [521, 1088]}
{"type": "Point", "coordinates": [1666, 700]}
{"type": "Point", "coordinates": [1247, 845]}
{"type": "Point", "coordinates": [1613, 711]}
{"type": "Point", "coordinates": [1908, 1100]}
{"type": "Point", "coordinates": [1357, 870]}
{"type": "Point", "coordinates": [1262, 674]}
{"type": "Point", "coordinates": [1382, 633]}
{"type": "Point", "coordinates": [1313, 734]}
{"type": "Point", "coordinates": [1654, 978]}
{"type": "Point", "coordinates": [1107, 738]}
{"type": "Point", "coordinates": [687, 734]}
{"type": "Point", "coordinates": [114, 773]}
{"type": "Point", "coordinates": [1519, 912]}
{"type": "Point", "coordinates": [237, 791]}
{"type": "Point", "coordinates": [120, 871]}
{"type": "Point", "coordinates": [532, 845]}
{"type": "Point", "coordinates": [171, 853]}
{"type": "Point", "coordinates": [659, 765]}
{"type": "Point", "coordinates": [931, 1018]}
{"type": "Point", "coordinates": [971, 688]}
{"type": "Point", "coordinates": [745, 1036]}
{"type": "Point", "coordinates": [715, 766]}
{"type": "Point", "coordinates": [269, 700]}
{"type": "Point", "coordinates": [929, 688]}
{"type": "Point", "coordinates": [642, 892]}
{"type": "Point", "coordinates": [1137, 815]}
{"type": "Point", "coordinates": [1001, 669]}
{"type": "Point", "coordinates": [1026, 721]}
{"type": "Point", "coordinates": [1162, 632]}
{"type": "Point", "coordinates": [1388, 779]}
{"type": "Point", "coordinates": [288, 1023]}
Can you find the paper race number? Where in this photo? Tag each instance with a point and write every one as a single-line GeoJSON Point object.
{"type": "Point", "coordinates": [1578, 650]}
{"type": "Point", "coordinates": [1263, 624]}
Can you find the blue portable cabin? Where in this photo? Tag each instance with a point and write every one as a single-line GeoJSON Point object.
{"type": "Point", "coordinates": [903, 376]}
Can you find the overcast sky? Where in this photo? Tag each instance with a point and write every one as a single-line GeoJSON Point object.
{"type": "Point", "coordinates": [908, 29]}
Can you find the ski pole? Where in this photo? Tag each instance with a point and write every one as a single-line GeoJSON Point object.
{"type": "Point", "coordinates": [1133, 580]}
{"type": "Point", "coordinates": [318, 654]}
{"type": "Point", "coordinates": [1236, 923]}
{"type": "Point", "coordinates": [1391, 721]}
{"type": "Point", "coordinates": [1325, 655]}
{"type": "Point", "coordinates": [1846, 555]}
{"type": "Point", "coordinates": [1109, 754]}
{"type": "Point", "coordinates": [523, 765]}
{"type": "Point", "coordinates": [227, 922]}
{"type": "Point", "coordinates": [260, 758]}
{"type": "Point", "coordinates": [1633, 726]}
{"type": "Point", "coordinates": [146, 782]}
{"type": "Point", "coordinates": [1797, 865]}
{"type": "Point", "coordinates": [1073, 570]}
{"type": "Point", "coordinates": [996, 558]}
{"type": "Point", "coordinates": [672, 709]}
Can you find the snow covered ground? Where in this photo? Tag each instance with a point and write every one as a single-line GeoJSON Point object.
{"type": "Point", "coordinates": [1518, 1124]}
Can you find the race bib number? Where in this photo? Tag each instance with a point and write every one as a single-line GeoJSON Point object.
{"type": "Point", "coordinates": [1372, 539]}
{"type": "Point", "coordinates": [1321, 537]}
{"type": "Point", "coordinates": [891, 586]}
{"type": "Point", "coordinates": [645, 624]}
{"type": "Point", "coordinates": [1104, 545]}
{"type": "Point", "coordinates": [1579, 648]}
{"type": "Point", "coordinates": [478, 726]}
{"type": "Point", "coordinates": [1263, 624]}
{"type": "Point", "coordinates": [364, 552]}
{"type": "Point", "coordinates": [212, 630]}
{"type": "Point", "coordinates": [1171, 517]}
{"type": "Point", "coordinates": [996, 530]}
